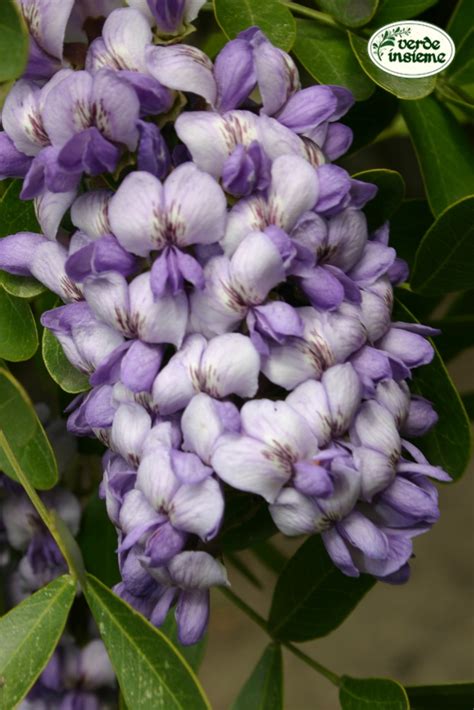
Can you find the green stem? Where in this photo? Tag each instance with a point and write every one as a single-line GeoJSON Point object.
{"type": "Point", "coordinates": [260, 621]}
{"type": "Point", "coordinates": [309, 12]}
{"type": "Point", "coordinates": [49, 518]}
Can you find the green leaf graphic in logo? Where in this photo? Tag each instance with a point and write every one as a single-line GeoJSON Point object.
{"type": "Point", "coordinates": [388, 39]}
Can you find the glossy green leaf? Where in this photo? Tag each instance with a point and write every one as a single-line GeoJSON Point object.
{"type": "Point", "coordinates": [150, 671]}
{"type": "Point", "coordinates": [372, 694]}
{"type": "Point", "coordinates": [59, 367]}
{"type": "Point", "coordinates": [445, 258]}
{"type": "Point", "coordinates": [443, 152]}
{"type": "Point", "coordinates": [264, 689]}
{"type": "Point", "coordinates": [270, 15]}
{"type": "Point", "coordinates": [460, 22]}
{"type": "Point", "coordinates": [14, 42]}
{"type": "Point", "coordinates": [18, 333]}
{"type": "Point", "coordinates": [456, 696]}
{"type": "Point", "coordinates": [461, 69]}
{"type": "Point", "coordinates": [391, 191]}
{"type": "Point", "coordinates": [100, 560]}
{"type": "Point", "coordinates": [325, 53]}
{"type": "Point", "coordinates": [193, 654]}
{"type": "Point", "coordinates": [29, 634]}
{"type": "Point", "coordinates": [25, 435]}
{"type": "Point", "coordinates": [407, 227]}
{"type": "Point", "coordinates": [448, 444]}
{"type": "Point", "coordinates": [403, 88]}
{"type": "Point", "coordinates": [352, 13]}
{"type": "Point", "coordinates": [393, 10]}
{"type": "Point", "coordinates": [369, 118]}
{"type": "Point", "coordinates": [246, 522]}
{"type": "Point", "coordinates": [312, 597]}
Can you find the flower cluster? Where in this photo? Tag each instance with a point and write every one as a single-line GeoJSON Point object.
{"type": "Point", "coordinates": [225, 298]}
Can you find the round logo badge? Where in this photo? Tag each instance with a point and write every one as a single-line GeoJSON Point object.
{"type": "Point", "coordinates": [411, 49]}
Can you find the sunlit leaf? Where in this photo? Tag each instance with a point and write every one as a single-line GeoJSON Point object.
{"type": "Point", "coordinates": [150, 671]}
{"type": "Point", "coordinates": [13, 42]}
{"type": "Point", "coordinates": [25, 435]}
{"type": "Point", "coordinates": [269, 15]}
{"type": "Point", "coordinates": [59, 367]}
{"type": "Point", "coordinates": [18, 333]}
{"type": "Point", "coordinates": [325, 53]}
{"type": "Point", "coordinates": [29, 634]}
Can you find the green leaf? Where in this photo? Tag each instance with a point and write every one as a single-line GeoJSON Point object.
{"type": "Point", "coordinates": [372, 694]}
{"type": "Point", "coordinates": [246, 522]}
{"type": "Point", "coordinates": [270, 15]}
{"type": "Point", "coordinates": [14, 42]}
{"type": "Point", "coordinates": [16, 215]}
{"type": "Point", "coordinates": [460, 22]}
{"type": "Point", "coordinates": [25, 435]}
{"type": "Point", "coordinates": [150, 671]}
{"type": "Point", "coordinates": [457, 334]}
{"type": "Point", "coordinates": [468, 402]}
{"type": "Point", "coordinates": [326, 55]}
{"type": "Point", "coordinates": [407, 227]}
{"type": "Point", "coordinates": [100, 560]}
{"type": "Point", "coordinates": [30, 633]}
{"type": "Point", "coordinates": [445, 258]}
{"type": "Point", "coordinates": [394, 10]}
{"type": "Point", "coordinates": [448, 444]}
{"type": "Point", "coordinates": [403, 88]}
{"type": "Point", "coordinates": [456, 696]}
{"type": "Point", "coordinates": [391, 191]}
{"type": "Point", "coordinates": [443, 152]}
{"type": "Point", "coordinates": [193, 654]}
{"type": "Point", "coordinates": [312, 597]}
{"type": "Point", "coordinates": [369, 118]}
{"type": "Point", "coordinates": [354, 13]}
{"type": "Point", "coordinates": [59, 367]}
{"type": "Point", "coordinates": [264, 689]}
{"type": "Point", "coordinates": [19, 336]}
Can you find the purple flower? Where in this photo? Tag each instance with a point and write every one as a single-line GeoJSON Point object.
{"type": "Point", "coordinates": [237, 289]}
{"type": "Point", "coordinates": [227, 364]}
{"type": "Point", "coordinates": [186, 581]}
{"type": "Point", "coordinates": [170, 16]}
{"type": "Point", "coordinates": [238, 145]}
{"type": "Point", "coordinates": [328, 338]}
{"type": "Point", "coordinates": [189, 208]}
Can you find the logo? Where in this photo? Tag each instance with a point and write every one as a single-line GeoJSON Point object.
{"type": "Point", "coordinates": [411, 49]}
